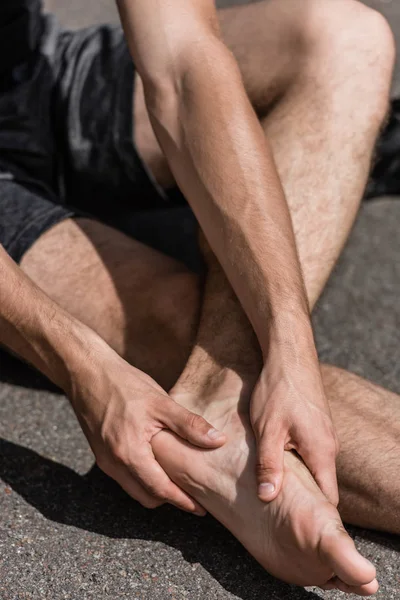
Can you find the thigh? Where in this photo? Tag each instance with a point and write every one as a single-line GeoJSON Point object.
{"type": "Point", "coordinates": [367, 422]}
{"type": "Point", "coordinates": [141, 302]}
{"type": "Point", "coordinates": [268, 42]}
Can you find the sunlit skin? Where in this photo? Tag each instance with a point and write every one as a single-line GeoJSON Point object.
{"type": "Point", "coordinates": [148, 318]}
{"type": "Point", "coordinates": [222, 161]}
{"type": "Point", "coordinates": [299, 537]}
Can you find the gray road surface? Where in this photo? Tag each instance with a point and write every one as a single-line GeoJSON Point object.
{"type": "Point", "coordinates": [66, 532]}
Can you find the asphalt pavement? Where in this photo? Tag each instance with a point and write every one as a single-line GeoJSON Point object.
{"type": "Point", "coordinates": [67, 532]}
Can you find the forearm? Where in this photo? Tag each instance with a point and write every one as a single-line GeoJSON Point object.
{"type": "Point", "coordinates": [36, 328]}
{"type": "Point", "coordinates": [223, 164]}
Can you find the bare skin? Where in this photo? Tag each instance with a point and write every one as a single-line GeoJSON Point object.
{"type": "Point", "coordinates": [303, 81]}
{"type": "Point", "coordinates": [361, 488]}
{"type": "Point", "coordinates": [223, 163]}
{"type": "Point", "coordinates": [300, 527]}
{"type": "Point", "coordinates": [298, 537]}
{"type": "Point", "coordinates": [317, 254]}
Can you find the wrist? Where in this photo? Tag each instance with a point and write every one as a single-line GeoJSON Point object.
{"type": "Point", "coordinates": [69, 350]}
{"type": "Point", "coordinates": [290, 341]}
{"type": "Point", "coordinates": [38, 330]}
{"type": "Point", "coordinates": [276, 322]}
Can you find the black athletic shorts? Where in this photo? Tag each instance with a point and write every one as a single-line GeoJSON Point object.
{"type": "Point", "coordinates": [66, 140]}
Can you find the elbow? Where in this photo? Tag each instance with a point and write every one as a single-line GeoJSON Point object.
{"type": "Point", "coordinates": [194, 65]}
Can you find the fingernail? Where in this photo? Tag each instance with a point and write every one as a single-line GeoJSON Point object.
{"type": "Point", "coordinates": [214, 434]}
{"type": "Point", "coordinates": [265, 490]}
{"type": "Point", "coordinates": [200, 513]}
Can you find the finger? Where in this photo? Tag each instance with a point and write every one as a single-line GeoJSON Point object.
{"type": "Point", "coordinates": [120, 474]}
{"type": "Point", "coordinates": [270, 466]}
{"type": "Point", "coordinates": [137, 492]}
{"type": "Point", "coordinates": [327, 482]}
{"type": "Point", "coordinates": [130, 484]}
{"type": "Point", "coordinates": [322, 466]}
{"type": "Point", "coordinates": [191, 427]}
{"type": "Point", "coordinates": [156, 482]}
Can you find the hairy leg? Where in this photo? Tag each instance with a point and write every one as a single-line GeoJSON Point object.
{"type": "Point", "coordinates": [367, 420]}
{"type": "Point", "coordinates": [320, 110]}
{"type": "Point", "coordinates": [97, 286]}
{"type": "Point", "coordinates": [323, 145]}
{"type": "Point", "coordinates": [299, 536]}
{"type": "Point", "coordinates": [142, 303]}
{"type": "Point", "coordinates": [146, 305]}
{"type": "Point", "coordinates": [134, 291]}
{"type": "Point", "coordinates": [323, 141]}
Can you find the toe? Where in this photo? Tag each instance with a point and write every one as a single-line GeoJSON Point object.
{"type": "Point", "coordinates": [329, 585]}
{"type": "Point", "coordinates": [367, 589]}
{"type": "Point", "coordinates": [339, 552]}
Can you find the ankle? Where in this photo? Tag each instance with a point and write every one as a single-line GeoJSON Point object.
{"type": "Point", "coordinates": [200, 389]}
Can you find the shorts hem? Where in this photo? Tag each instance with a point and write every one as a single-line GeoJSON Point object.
{"type": "Point", "coordinates": [28, 235]}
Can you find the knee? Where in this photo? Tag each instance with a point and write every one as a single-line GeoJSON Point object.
{"type": "Point", "coordinates": [350, 25]}
{"type": "Point", "coordinates": [350, 46]}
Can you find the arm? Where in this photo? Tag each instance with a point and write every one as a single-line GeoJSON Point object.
{"type": "Point", "coordinates": [119, 408]}
{"type": "Point", "coordinates": [34, 327]}
{"type": "Point", "coordinates": [218, 154]}
{"type": "Point", "coordinates": [221, 160]}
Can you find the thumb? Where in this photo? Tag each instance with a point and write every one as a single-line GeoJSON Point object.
{"type": "Point", "coordinates": [192, 427]}
{"type": "Point", "coordinates": [269, 467]}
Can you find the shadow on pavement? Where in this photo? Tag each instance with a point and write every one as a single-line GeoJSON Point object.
{"type": "Point", "coordinates": [95, 503]}
{"type": "Point", "coordinates": [16, 372]}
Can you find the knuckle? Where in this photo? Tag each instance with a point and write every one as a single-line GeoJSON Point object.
{"type": "Point", "coordinates": [193, 421]}
{"type": "Point", "coordinates": [120, 455]}
{"type": "Point", "coordinates": [265, 467]}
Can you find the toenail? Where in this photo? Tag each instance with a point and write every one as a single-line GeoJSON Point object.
{"type": "Point", "coordinates": [214, 434]}
{"type": "Point", "coordinates": [266, 489]}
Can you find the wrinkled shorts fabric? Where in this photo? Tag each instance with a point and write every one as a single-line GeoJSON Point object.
{"type": "Point", "coordinates": [66, 147]}
{"type": "Point", "coordinates": [66, 137]}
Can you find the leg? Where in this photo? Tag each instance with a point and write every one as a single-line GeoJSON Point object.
{"type": "Point", "coordinates": [141, 302]}
{"type": "Point", "coordinates": [327, 566]}
{"type": "Point", "coordinates": [104, 311]}
{"type": "Point", "coordinates": [206, 477]}
{"type": "Point", "coordinates": [320, 111]}
{"type": "Point", "coordinates": [326, 90]}
{"type": "Point", "coordinates": [299, 536]}
{"type": "Point", "coordinates": [367, 420]}
{"type": "Point", "coordinates": [101, 261]}
{"type": "Point", "coordinates": [346, 135]}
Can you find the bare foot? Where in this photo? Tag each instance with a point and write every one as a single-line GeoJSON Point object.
{"type": "Point", "coordinates": [299, 537]}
